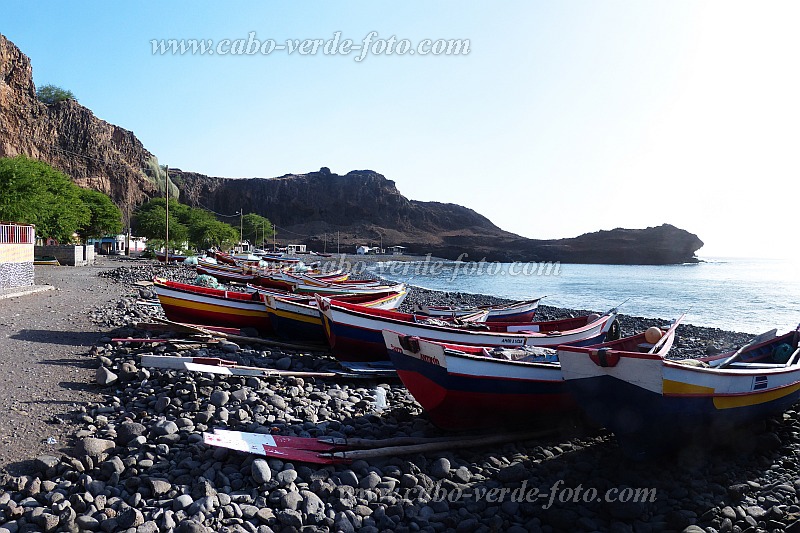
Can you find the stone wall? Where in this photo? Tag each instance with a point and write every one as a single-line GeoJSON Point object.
{"type": "Point", "coordinates": [68, 254]}
{"type": "Point", "coordinates": [16, 265]}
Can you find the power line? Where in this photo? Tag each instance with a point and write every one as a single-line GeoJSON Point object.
{"type": "Point", "coordinates": [57, 149]}
{"type": "Point", "coordinates": [218, 214]}
{"type": "Point", "coordinates": [294, 232]}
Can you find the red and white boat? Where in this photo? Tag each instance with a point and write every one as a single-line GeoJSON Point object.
{"type": "Point", "coordinates": [660, 404]}
{"type": "Point", "coordinates": [464, 387]}
{"type": "Point", "coordinates": [355, 333]}
{"type": "Point", "coordinates": [523, 311]}
{"type": "Point", "coordinates": [178, 258]}
{"type": "Point", "coordinates": [227, 273]}
{"type": "Point", "coordinates": [202, 305]}
{"type": "Point", "coordinates": [300, 319]}
{"type": "Point", "coordinates": [467, 387]}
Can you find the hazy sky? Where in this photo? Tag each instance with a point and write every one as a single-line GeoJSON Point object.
{"type": "Point", "coordinates": [563, 118]}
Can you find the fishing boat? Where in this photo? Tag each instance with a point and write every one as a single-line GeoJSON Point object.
{"type": "Point", "coordinates": [523, 311]}
{"type": "Point", "coordinates": [468, 387]}
{"type": "Point", "coordinates": [355, 333]}
{"type": "Point", "coordinates": [178, 258]}
{"type": "Point", "coordinates": [222, 257]}
{"type": "Point", "coordinates": [281, 259]}
{"type": "Point", "coordinates": [210, 263]}
{"type": "Point", "coordinates": [300, 318]}
{"type": "Point", "coordinates": [227, 273]}
{"type": "Point", "coordinates": [202, 305]}
{"type": "Point", "coordinates": [288, 280]}
{"type": "Point", "coordinates": [335, 289]}
{"type": "Point", "coordinates": [48, 260]}
{"type": "Point", "coordinates": [654, 404]}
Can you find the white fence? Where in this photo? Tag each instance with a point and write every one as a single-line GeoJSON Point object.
{"type": "Point", "coordinates": [17, 234]}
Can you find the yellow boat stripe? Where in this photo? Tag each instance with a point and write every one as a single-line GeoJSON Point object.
{"type": "Point", "coordinates": [295, 316]}
{"type": "Point", "coordinates": [744, 400]}
{"type": "Point", "coordinates": [676, 387]}
{"type": "Point", "coordinates": [175, 302]}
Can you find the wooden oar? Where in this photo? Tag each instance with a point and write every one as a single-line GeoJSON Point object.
{"type": "Point", "coordinates": [308, 450]}
{"type": "Point", "coordinates": [767, 335]}
{"type": "Point", "coordinates": [454, 444]}
{"type": "Point", "coordinates": [214, 365]}
{"type": "Point", "coordinates": [248, 340]}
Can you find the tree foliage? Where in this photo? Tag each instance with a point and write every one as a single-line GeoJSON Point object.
{"type": "Point", "coordinates": [51, 94]}
{"type": "Point", "coordinates": [105, 217]}
{"type": "Point", "coordinates": [256, 228]}
{"type": "Point", "coordinates": [33, 192]}
{"type": "Point", "coordinates": [186, 224]}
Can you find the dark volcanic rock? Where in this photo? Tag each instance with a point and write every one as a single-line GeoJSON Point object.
{"type": "Point", "coordinates": [67, 135]}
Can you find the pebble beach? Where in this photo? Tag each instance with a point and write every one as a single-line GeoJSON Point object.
{"type": "Point", "coordinates": [134, 460]}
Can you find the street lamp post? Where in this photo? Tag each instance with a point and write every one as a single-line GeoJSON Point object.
{"type": "Point", "coordinates": [166, 195]}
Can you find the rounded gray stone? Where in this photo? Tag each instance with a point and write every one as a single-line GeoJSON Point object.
{"type": "Point", "coordinates": [182, 502]}
{"type": "Point", "coordinates": [260, 471]}
{"type": "Point", "coordinates": [440, 468]}
{"type": "Point", "coordinates": [219, 398]}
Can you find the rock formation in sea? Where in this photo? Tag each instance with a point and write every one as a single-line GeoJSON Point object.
{"type": "Point", "coordinates": [362, 206]}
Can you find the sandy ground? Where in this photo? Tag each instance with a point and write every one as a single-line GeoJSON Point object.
{"type": "Point", "coordinates": [47, 372]}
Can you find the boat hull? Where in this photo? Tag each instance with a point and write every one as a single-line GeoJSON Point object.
{"type": "Point", "coordinates": [357, 335]}
{"type": "Point", "coordinates": [659, 404]}
{"type": "Point", "coordinates": [518, 312]}
{"type": "Point", "coordinates": [469, 393]}
{"type": "Point", "coordinates": [298, 321]}
{"type": "Point", "coordinates": [181, 306]}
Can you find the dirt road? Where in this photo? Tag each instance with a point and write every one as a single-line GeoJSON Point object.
{"type": "Point", "coordinates": [45, 369]}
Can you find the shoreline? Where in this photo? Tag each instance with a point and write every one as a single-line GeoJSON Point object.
{"type": "Point", "coordinates": [138, 443]}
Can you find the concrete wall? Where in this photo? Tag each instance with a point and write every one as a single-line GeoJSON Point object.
{"type": "Point", "coordinates": [68, 254]}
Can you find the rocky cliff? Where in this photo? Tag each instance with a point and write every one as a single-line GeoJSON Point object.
{"type": "Point", "coordinates": [362, 207]}
{"type": "Point", "coordinates": [67, 135]}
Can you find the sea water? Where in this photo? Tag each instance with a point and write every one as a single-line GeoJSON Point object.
{"type": "Point", "coordinates": [747, 295]}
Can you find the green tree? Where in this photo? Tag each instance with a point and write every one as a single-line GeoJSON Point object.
{"type": "Point", "coordinates": [105, 217]}
{"type": "Point", "coordinates": [256, 228]}
{"type": "Point", "coordinates": [197, 226]}
{"type": "Point", "coordinates": [208, 233]}
{"type": "Point", "coordinates": [51, 94]}
{"type": "Point", "coordinates": [33, 192]}
{"type": "Point", "coordinates": [150, 220]}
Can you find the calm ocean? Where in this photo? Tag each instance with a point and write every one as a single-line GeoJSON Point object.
{"type": "Point", "coordinates": [747, 295]}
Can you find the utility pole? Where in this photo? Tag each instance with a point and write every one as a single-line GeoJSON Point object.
{"type": "Point", "coordinates": [166, 195]}
{"type": "Point", "coordinates": [128, 216]}
{"type": "Point", "coordinates": [337, 242]}
{"type": "Point", "coordinates": [241, 227]}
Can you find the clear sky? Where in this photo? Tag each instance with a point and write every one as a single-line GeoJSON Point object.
{"type": "Point", "coordinates": [565, 117]}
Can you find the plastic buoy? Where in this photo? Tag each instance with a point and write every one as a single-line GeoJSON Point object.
{"type": "Point", "coordinates": [653, 334]}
